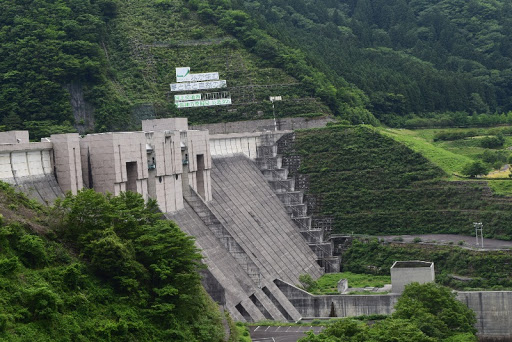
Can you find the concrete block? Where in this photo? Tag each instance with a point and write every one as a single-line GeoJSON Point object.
{"type": "Point", "coordinates": [406, 272]}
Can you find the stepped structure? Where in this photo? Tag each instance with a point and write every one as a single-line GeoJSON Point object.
{"type": "Point", "coordinates": [270, 164]}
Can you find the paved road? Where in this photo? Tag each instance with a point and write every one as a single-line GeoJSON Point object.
{"type": "Point", "coordinates": [280, 334]}
{"type": "Point", "coordinates": [444, 239]}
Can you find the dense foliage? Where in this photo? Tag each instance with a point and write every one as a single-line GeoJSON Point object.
{"type": "Point", "coordinates": [106, 64]}
{"type": "Point", "coordinates": [135, 278]}
{"type": "Point", "coordinates": [427, 312]}
{"type": "Point", "coordinates": [372, 184]}
{"type": "Point", "coordinates": [46, 47]}
{"type": "Point", "coordinates": [445, 56]}
{"type": "Point", "coordinates": [456, 267]}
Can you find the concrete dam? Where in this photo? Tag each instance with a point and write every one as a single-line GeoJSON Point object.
{"type": "Point", "coordinates": [230, 191]}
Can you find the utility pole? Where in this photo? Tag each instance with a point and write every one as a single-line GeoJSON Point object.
{"type": "Point", "coordinates": [479, 232]}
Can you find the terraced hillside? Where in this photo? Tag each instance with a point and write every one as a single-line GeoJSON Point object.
{"type": "Point", "coordinates": [372, 184]}
{"type": "Point", "coordinates": [148, 39]}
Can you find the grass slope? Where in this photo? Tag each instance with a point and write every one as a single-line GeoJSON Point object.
{"type": "Point", "coordinates": [447, 160]}
{"type": "Point", "coordinates": [373, 184]}
{"type": "Point", "coordinates": [453, 155]}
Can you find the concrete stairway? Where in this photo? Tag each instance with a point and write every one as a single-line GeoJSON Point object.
{"type": "Point", "coordinates": [270, 164]}
{"type": "Point", "coordinates": [221, 233]}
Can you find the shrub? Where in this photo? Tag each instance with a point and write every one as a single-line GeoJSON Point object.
{"type": "Point", "coordinates": [417, 240]}
{"type": "Point", "coordinates": [493, 142]}
{"type": "Point", "coordinates": [307, 282]}
{"type": "Point", "coordinates": [42, 302]}
{"type": "Point", "coordinates": [32, 250]}
{"type": "Point", "coordinates": [8, 266]}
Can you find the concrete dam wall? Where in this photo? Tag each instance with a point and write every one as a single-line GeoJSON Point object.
{"type": "Point", "coordinates": [253, 249]}
{"type": "Point", "coordinates": [248, 241]}
{"type": "Point", "coordinates": [28, 167]}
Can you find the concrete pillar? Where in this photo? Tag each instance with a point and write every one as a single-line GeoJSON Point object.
{"type": "Point", "coordinates": [67, 161]}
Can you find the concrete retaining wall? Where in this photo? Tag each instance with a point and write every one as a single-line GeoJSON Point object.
{"type": "Point", "coordinates": [264, 125]}
{"type": "Point", "coordinates": [28, 166]}
{"type": "Point", "coordinates": [336, 306]}
{"type": "Point", "coordinates": [493, 313]}
{"type": "Point", "coordinates": [493, 309]}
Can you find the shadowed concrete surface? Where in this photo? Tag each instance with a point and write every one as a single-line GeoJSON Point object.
{"type": "Point", "coordinates": [43, 188]}
{"type": "Point", "coordinates": [256, 218]}
{"type": "Point", "coordinates": [280, 334]}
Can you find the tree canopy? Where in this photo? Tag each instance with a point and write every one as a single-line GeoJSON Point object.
{"type": "Point", "coordinates": [106, 269]}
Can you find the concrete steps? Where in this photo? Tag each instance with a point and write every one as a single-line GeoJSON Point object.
{"type": "Point", "coordinates": [291, 197]}
{"type": "Point", "coordinates": [268, 161]}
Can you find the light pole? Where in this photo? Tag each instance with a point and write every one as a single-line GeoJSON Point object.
{"type": "Point", "coordinates": [273, 99]}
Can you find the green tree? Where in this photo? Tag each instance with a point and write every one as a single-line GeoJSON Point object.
{"type": "Point", "coordinates": [435, 311]}
{"type": "Point", "coordinates": [475, 168]}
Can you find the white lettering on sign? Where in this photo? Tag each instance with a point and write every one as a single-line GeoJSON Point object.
{"type": "Point", "coordinates": [187, 97]}
{"type": "Point", "coordinates": [198, 85]}
{"type": "Point", "coordinates": [203, 103]}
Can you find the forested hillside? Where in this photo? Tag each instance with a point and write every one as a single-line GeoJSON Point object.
{"type": "Point", "coordinates": [102, 65]}
{"type": "Point", "coordinates": [372, 184]}
{"type": "Point", "coordinates": [98, 268]}
{"type": "Point", "coordinates": [408, 56]}
{"type": "Point", "coordinates": [105, 64]}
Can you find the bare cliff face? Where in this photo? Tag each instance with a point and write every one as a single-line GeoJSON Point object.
{"type": "Point", "coordinates": [83, 111]}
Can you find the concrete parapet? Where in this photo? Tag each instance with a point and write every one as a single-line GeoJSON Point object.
{"type": "Point", "coordinates": [169, 124]}
{"type": "Point", "coordinates": [14, 137]}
